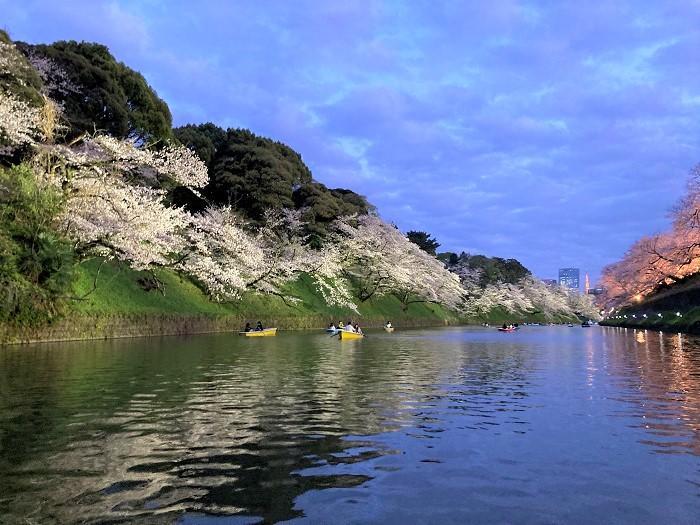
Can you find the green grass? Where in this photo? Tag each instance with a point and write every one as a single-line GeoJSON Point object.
{"type": "Point", "coordinates": [118, 292]}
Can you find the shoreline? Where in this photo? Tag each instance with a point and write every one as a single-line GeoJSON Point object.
{"type": "Point", "coordinates": [693, 329]}
{"type": "Point", "coordinates": [106, 327]}
{"type": "Point", "coordinates": [675, 309]}
{"type": "Point", "coordinates": [95, 328]}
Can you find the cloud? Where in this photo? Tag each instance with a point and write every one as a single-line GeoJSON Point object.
{"type": "Point", "coordinates": [556, 133]}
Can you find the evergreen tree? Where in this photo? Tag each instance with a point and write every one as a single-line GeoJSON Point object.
{"type": "Point", "coordinates": [424, 241]}
{"type": "Point", "coordinates": [98, 93]}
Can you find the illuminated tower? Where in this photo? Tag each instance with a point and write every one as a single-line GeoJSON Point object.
{"type": "Point", "coordinates": [587, 284]}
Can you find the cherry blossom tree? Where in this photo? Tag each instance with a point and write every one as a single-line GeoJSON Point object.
{"type": "Point", "coordinates": [112, 208]}
{"type": "Point", "coordinates": [114, 219]}
{"type": "Point", "coordinates": [378, 259]}
{"type": "Point", "coordinates": [177, 162]}
{"type": "Point", "coordinates": [660, 260]}
{"type": "Point", "coordinates": [20, 123]}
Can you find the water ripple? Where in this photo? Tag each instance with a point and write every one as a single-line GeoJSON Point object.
{"type": "Point", "coordinates": [453, 425]}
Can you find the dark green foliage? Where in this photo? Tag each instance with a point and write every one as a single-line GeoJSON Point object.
{"type": "Point", "coordinates": [256, 174]}
{"type": "Point", "coordinates": [36, 263]}
{"type": "Point", "coordinates": [103, 94]}
{"type": "Point", "coordinates": [449, 258]}
{"type": "Point", "coordinates": [19, 78]}
{"type": "Point", "coordinates": [493, 269]}
{"type": "Point", "coordinates": [204, 139]}
{"type": "Point", "coordinates": [322, 206]}
{"type": "Point", "coordinates": [184, 197]}
{"type": "Point", "coordinates": [423, 240]}
{"type": "Point", "coordinates": [352, 202]}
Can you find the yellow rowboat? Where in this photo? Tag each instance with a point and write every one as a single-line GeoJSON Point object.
{"type": "Point", "coordinates": [267, 332]}
{"type": "Point", "coordinates": [349, 335]}
{"type": "Point", "coordinates": [389, 329]}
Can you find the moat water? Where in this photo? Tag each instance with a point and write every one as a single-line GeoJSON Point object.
{"type": "Point", "coordinates": [453, 425]}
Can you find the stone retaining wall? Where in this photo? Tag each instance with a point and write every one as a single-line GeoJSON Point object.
{"type": "Point", "coordinates": [108, 327]}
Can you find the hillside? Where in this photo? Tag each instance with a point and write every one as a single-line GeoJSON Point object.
{"type": "Point", "coordinates": [204, 228]}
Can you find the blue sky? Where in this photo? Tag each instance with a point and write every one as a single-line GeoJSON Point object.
{"type": "Point", "coordinates": [553, 132]}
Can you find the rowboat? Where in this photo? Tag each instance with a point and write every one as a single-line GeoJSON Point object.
{"type": "Point", "coordinates": [506, 329]}
{"type": "Point", "coordinates": [344, 334]}
{"type": "Point", "coordinates": [389, 329]}
{"type": "Point", "coordinates": [267, 332]}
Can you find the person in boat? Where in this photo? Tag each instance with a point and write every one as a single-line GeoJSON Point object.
{"type": "Point", "coordinates": [259, 327]}
{"type": "Point", "coordinates": [340, 325]}
{"type": "Point", "coordinates": [358, 330]}
{"type": "Point", "coordinates": [349, 327]}
{"type": "Point", "coordinates": [388, 324]}
{"type": "Point", "coordinates": [331, 326]}
{"type": "Point", "coordinates": [504, 326]}
{"type": "Point", "coordinates": [248, 328]}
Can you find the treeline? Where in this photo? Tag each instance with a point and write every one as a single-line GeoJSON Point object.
{"type": "Point", "coordinates": [91, 167]}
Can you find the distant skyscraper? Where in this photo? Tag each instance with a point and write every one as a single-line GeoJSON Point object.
{"type": "Point", "coordinates": [569, 278]}
{"type": "Point", "coordinates": [586, 284]}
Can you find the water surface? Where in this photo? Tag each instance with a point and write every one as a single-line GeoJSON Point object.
{"type": "Point", "coordinates": [455, 425]}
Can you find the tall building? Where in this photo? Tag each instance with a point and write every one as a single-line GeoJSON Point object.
{"type": "Point", "coordinates": [586, 284]}
{"type": "Point", "coordinates": [569, 278]}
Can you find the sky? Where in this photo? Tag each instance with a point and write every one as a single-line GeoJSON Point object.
{"type": "Point", "coordinates": [553, 132]}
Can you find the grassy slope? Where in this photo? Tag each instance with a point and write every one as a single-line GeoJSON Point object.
{"type": "Point", "coordinates": [118, 292]}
